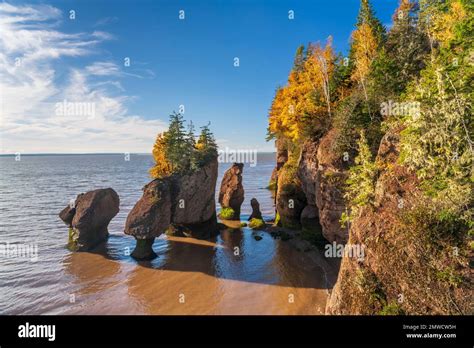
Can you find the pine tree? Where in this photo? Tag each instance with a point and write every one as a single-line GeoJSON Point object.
{"type": "Point", "coordinates": [367, 16]}
{"type": "Point", "coordinates": [299, 59]}
{"type": "Point", "coordinates": [178, 147]}
{"type": "Point", "coordinates": [206, 146]}
{"type": "Point", "coordinates": [406, 46]}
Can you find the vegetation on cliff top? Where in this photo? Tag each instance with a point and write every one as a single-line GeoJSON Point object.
{"type": "Point", "coordinates": [177, 151]}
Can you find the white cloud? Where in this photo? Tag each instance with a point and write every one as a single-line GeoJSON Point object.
{"type": "Point", "coordinates": [31, 52]}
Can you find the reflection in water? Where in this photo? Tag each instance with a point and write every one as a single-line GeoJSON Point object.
{"type": "Point", "coordinates": [231, 274]}
{"type": "Point", "coordinates": [204, 277]}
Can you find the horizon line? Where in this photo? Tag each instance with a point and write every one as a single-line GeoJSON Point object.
{"type": "Point", "coordinates": [85, 153]}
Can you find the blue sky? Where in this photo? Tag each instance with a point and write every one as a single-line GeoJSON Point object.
{"type": "Point", "coordinates": [173, 62]}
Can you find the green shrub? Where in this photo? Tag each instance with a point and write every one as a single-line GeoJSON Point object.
{"type": "Point", "coordinates": [391, 308]}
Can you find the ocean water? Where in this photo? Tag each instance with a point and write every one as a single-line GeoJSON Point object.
{"type": "Point", "coordinates": [188, 277]}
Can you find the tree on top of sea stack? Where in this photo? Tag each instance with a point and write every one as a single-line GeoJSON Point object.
{"type": "Point", "coordinates": [176, 151]}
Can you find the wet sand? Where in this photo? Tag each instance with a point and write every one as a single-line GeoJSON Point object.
{"type": "Point", "coordinates": [232, 274]}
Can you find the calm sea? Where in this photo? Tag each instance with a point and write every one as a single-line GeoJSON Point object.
{"type": "Point", "coordinates": [209, 273]}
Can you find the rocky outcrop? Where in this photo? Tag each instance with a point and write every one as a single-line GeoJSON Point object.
{"type": "Point", "coordinates": [281, 159]}
{"type": "Point", "coordinates": [309, 190]}
{"type": "Point", "coordinates": [180, 202]}
{"type": "Point", "coordinates": [308, 171]}
{"type": "Point", "coordinates": [88, 218]}
{"type": "Point", "coordinates": [256, 213]}
{"type": "Point", "coordinates": [330, 178]}
{"type": "Point", "coordinates": [308, 174]}
{"type": "Point", "coordinates": [281, 154]}
{"type": "Point", "coordinates": [402, 271]}
{"type": "Point", "coordinates": [290, 198]}
{"type": "Point", "coordinates": [231, 194]}
{"type": "Point", "coordinates": [309, 194]}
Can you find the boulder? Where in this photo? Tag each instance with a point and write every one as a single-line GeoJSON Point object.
{"type": "Point", "coordinates": [231, 194]}
{"type": "Point", "coordinates": [181, 203]}
{"type": "Point", "coordinates": [89, 217]}
{"type": "Point", "coordinates": [256, 213]}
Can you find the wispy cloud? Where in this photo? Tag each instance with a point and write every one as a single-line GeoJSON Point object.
{"type": "Point", "coordinates": [105, 21]}
{"type": "Point", "coordinates": [32, 65]}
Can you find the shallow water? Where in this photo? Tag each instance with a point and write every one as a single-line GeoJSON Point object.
{"type": "Point", "coordinates": [189, 276]}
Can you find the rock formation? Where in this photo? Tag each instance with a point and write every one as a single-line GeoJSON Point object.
{"type": "Point", "coordinates": [89, 217]}
{"type": "Point", "coordinates": [308, 174]}
{"type": "Point", "coordinates": [182, 202]}
{"type": "Point", "coordinates": [281, 159]}
{"type": "Point", "coordinates": [309, 191]}
{"type": "Point", "coordinates": [231, 194]}
{"type": "Point", "coordinates": [290, 199]}
{"type": "Point", "coordinates": [330, 179]}
{"type": "Point", "coordinates": [256, 213]}
{"type": "Point", "coordinates": [400, 271]}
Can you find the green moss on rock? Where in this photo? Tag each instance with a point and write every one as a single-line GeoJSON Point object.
{"type": "Point", "coordinates": [227, 213]}
{"type": "Point", "coordinates": [257, 224]}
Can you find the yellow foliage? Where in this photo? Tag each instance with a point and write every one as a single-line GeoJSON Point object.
{"type": "Point", "coordinates": [306, 95]}
{"type": "Point", "coordinates": [365, 50]}
{"type": "Point", "coordinates": [162, 167]}
{"type": "Point", "coordinates": [444, 24]}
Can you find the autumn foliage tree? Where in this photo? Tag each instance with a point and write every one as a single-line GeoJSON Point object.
{"type": "Point", "coordinates": [303, 107]}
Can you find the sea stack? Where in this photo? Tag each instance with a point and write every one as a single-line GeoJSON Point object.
{"type": "Point", "coordinates": [256, 213]}
{"type": "Point", "coordinates": [88, 218]}
{"type": "Point", "coordinates": [180, 202]}
{"type": "Point", "coordinates": [231, 194]}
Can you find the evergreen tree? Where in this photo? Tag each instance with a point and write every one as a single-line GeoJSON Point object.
{"type": "Point", "coordinates": [299, 59]}
{"type": "Point", "coordinates": [367, 16]}
{"type": "Point", "coordinates": [206, 146]}
{"type": "Point", "coordinates": [406, 47]}
{"type": "Point", "coordinates": [362, 177]}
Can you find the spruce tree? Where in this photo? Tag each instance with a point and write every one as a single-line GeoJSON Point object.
{"type": "Point", "coordinates": [206, 146]}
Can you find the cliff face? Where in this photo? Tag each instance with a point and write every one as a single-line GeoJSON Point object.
{"type": "Point", "coordinates": [318, 190]}
{"type": "Point", "coordinates": [402, 269]}
{"type": "Point", "coordinates": [330, 178]}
